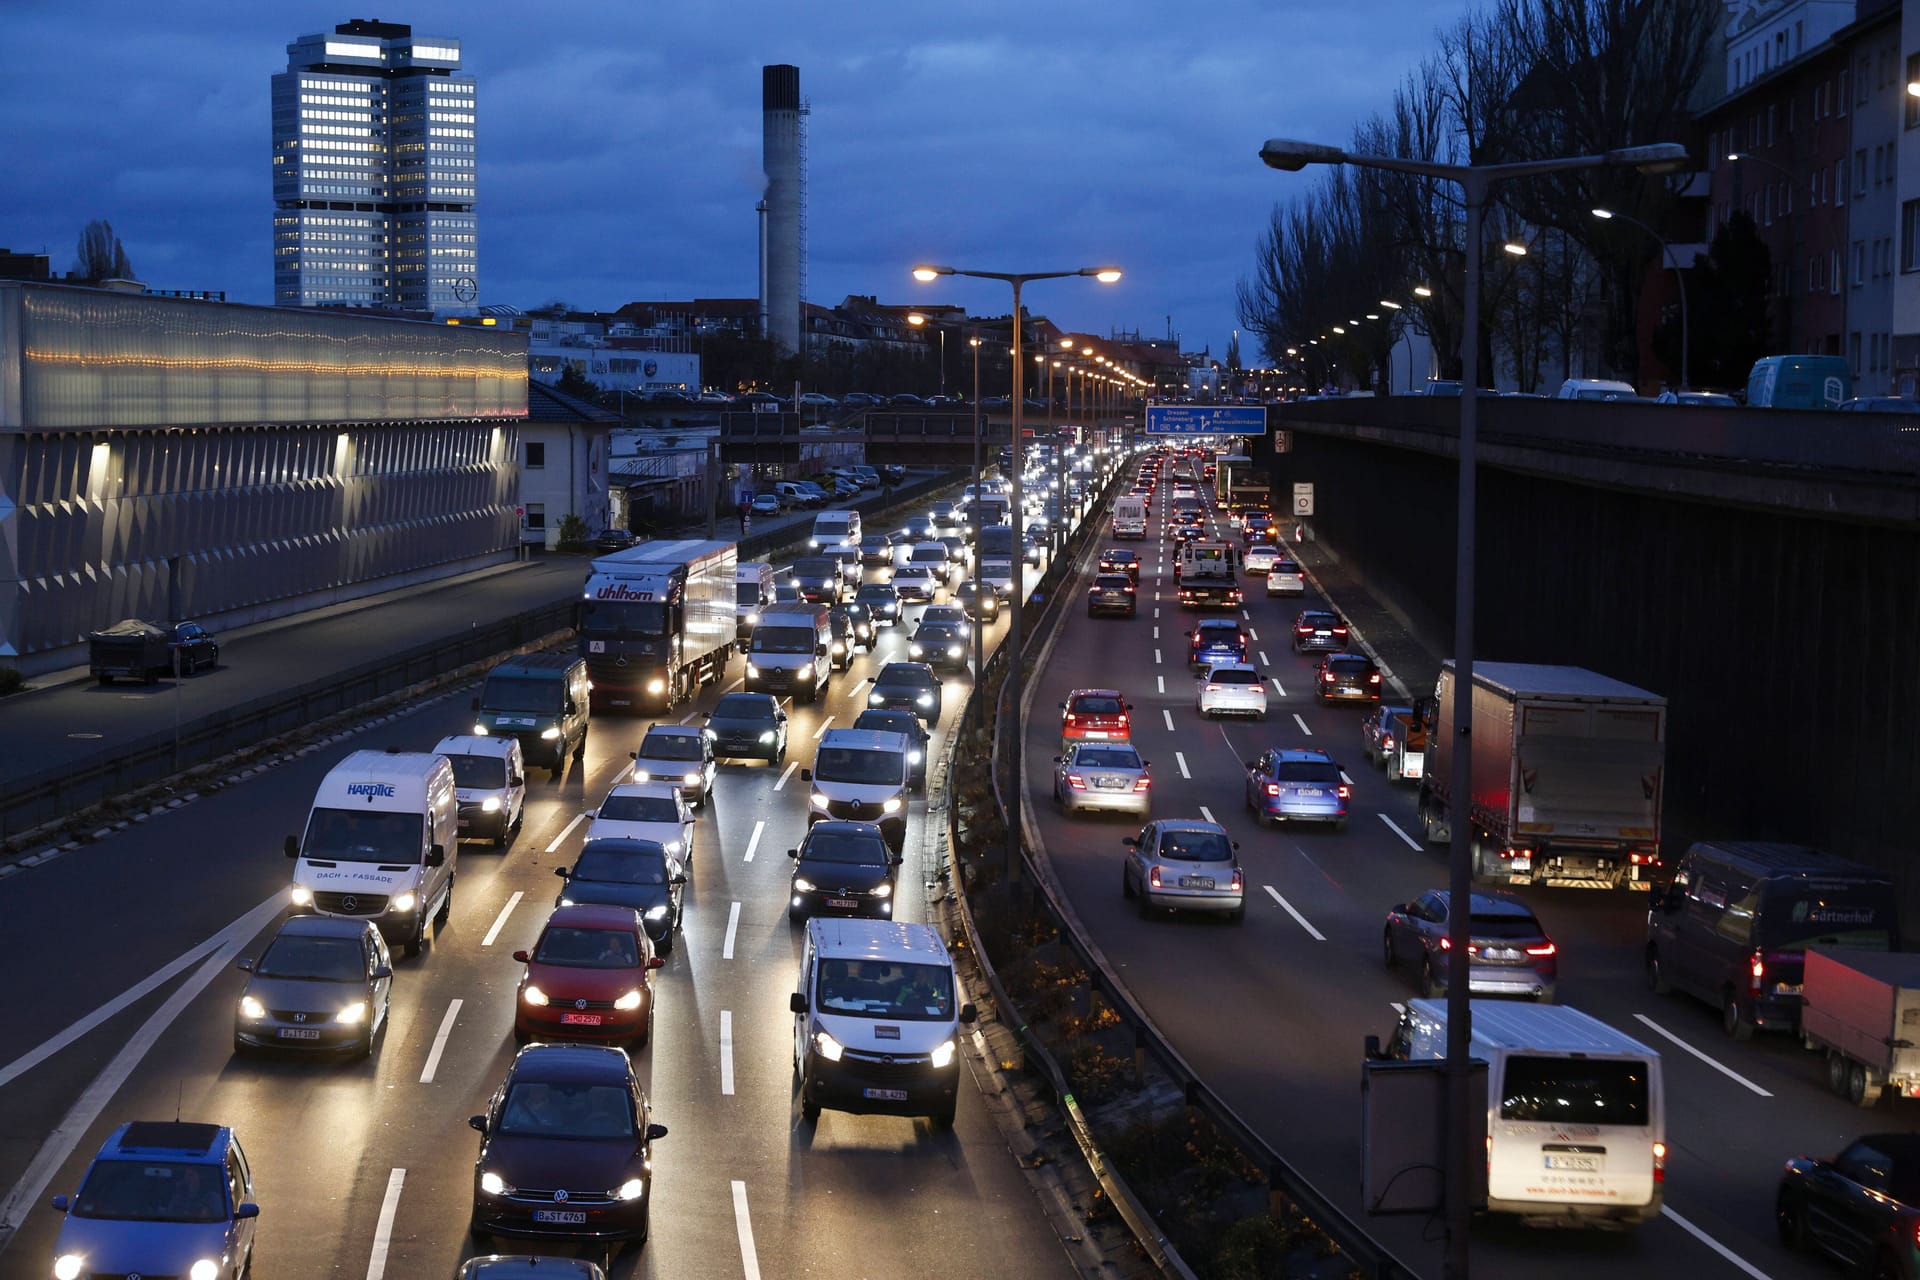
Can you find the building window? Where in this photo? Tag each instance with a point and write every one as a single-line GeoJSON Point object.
{"type": "Point", "coordinates": [536, 454]}
{"type": "Point", "coordinates": [1770, 120]}
{"type": "Point", "coordinates": [1860, 172]}
{"type": "Point", "coordinates": [1839, 182]}
{"type": "Point", "coordinates": [1910, 236]}
{"type": "Point", "coordinates": [1912, 107]}
{"type": "Point", "coordinates": [1853, 353]}
{"type": "Point", "coordinates": [1859, 263]}
{"type": "Point", "coordinates": [1834, 272]}
{"type": "Point", "coordinates": [536, 515]}
{"type": "Point", "coordinates": [1840, 95]}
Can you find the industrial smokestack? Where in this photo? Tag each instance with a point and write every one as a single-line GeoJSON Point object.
{"type": "Point", "coordinates": [780, 279]}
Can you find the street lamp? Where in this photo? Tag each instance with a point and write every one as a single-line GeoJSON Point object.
{"type": "Point", "coordinates": [1474, 182]}
{"type": "Point", "coordinates": [915, 319]}
{"type": "Point", "coordinates": [1667, 255]}
{"type": "Point", "coordinates": [1105, 275]}
{"type": "Point", "coordinates": [1421, 291]}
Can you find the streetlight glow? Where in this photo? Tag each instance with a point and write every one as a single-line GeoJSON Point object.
{"type": "Point", "coordinates": [1517, 250]}
{"type": "Point", "coordinates": [924, 273]}
{"type": "Point", "coordinates": [1338, 329]}
{"type": "Point", "coordinates": [1389, 304]}
{"type": "Point", "coordinates": [1421, 291]}
{"type": "Point", "coordinates": [1105, 275]}
{"type": "Point", "coordinates": [1603, 214]}
{"type": "Point", "coordinates": [915, 318]}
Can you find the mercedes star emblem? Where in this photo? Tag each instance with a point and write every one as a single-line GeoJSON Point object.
{"type": "Point", "coordinates": [350, 903]}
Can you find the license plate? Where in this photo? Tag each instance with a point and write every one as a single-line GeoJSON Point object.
{"type": "Point", "coordinates": [1196, 882]}
{"type": "Point", "coordinates": [565, 1216]}
{"type": "Point", "coordinates": [299, 1033]}
{"type": "Point", "coordinates": [1096, 733]}
{"type": "Point", "coordinates": [1412, 766]}
{"type": "Point", "coordinates": [841, 902]}
{"type": "Point", "coordinates": [463, 822]}
{"type": "Point", "coordinates": [1787, 988]}
{"type": "Point", "coordinates": [885, 1095]}
{"type": "Point", "coordinates": [1310, 793]}
{"type": "Point", "coordinates": [1574, 1163]}
{"type": "Point", "coordinates": [1323, 635]}
{"type": "Point", "coordinates": [580, 1019]}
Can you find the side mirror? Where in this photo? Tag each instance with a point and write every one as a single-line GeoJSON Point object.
{"type": "Point", "coordinates": [593, 813]}
{"type": "Point", "coordinates": [797, 1002]}
{"type": "Point", "coordinates": [522, 957]}
{"type": "Point", "coordinates": [678, 878]}
{"type": "Point", "coordinates": [819, 651]}
{"type": "Point", "coordinates": [563, 873]}
{"type": "Point", "coordinates": [59, 1202]}
{"type": "Point", "coordinates": [793, 853]}
{"type": "Point", "coordinates": [1236, 844]}
{"type": "Point", "coordinates": [247, 1209]}
{"type": "Point", "coordinates": [633, 755]}
{"type": "Point", "coordinates": [655, 962]}
{"type": "Point", "coordinates": [517, 780]}
{"type": "Point", "coordinates": [806, 775]}
{"type": "Point", "coordinates": [1252, 765]}
{"type": "Point", "coordinates": [477, 1123]}
{"type": "Point", "coordinates": [1059, 759]}
{"type": "Point", "coordinates": [244, 964]}
{"type": "Point", "coordinates": [476, 704]}
{"type": "Point", "coordinates": [437, 856]}
{"type": "Point", "coordinates": [656, 1131]}
{"type": "Point", "coordinates": [968, 1013]}
{"type": "Point", "coordinates": [292, 846]}
{"type": "Point", "coordinates": [1132, 842]}
{"type": "Point", "coordinates": [1063, 706]}
{"type": "Point", "coordinates": [382, 971]}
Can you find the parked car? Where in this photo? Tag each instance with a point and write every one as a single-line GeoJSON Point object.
{"type": "Point", "coordinates": [765, 504]}
{"type": "Point", "coordinates": [615, 539]}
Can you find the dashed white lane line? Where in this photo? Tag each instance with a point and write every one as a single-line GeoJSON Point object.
{"type": "Point", "coordinates": [1344, 778]}
{"type": "Point", "coordinates": [1713, 1244]}
{"type": "Point", "coordinates": [1180, 758]}
{"type": "Point", "coordinates": [1303, 724]}
{"type": "Point", "coordinates": [1160, 683]}
{"type": "Point", "coordinates": [1156, 633]}
{"type": "Point", "coordinates": [1395, 828]}
{"type": "Point", "coordinates": [383, 1229]}
{"type": "Point", "coordinates": [1252, 634]}
{"type": "Point", "coordinates": [1277, 689]}
{"type": "Point", "coordinates": [566, 831]}
{"type": "Point", "coordinates": [1156, 611]}
{"type": "Point", "coordinates": [1264, 660]}
{"type": "Point", "coordinates": [1206, 813]}
{"type": "Point", "coordinates": [753, 841]}
{"type": "Point", "coordinates": [743, 1225]}
{"type": "Point", "coordinates": [1299, 919]}
{"type": "Point", "coordinates": [788, 773]}
{"type": "Point", "coordinates": [688, 718]}
{"type": "Point", "coordinates": [864, 682]}
{"type": "Point", "coordinates": [735, 685]}
{"type": "Point", "coordinates": [440, 1041]}
{"type": "Point", "coordinates": [726, 1052]}
{"type": "Point", "coordinates": [1722, 1068]}
{"type": "Point", "coordinates": [500, 920]}
{"type": "Point", "coordinates": [1156, 657]}
{"type": "Point", "coordinates": [1169, 716]}
{"type": "Point", "coordinates": [817, 733]}
{"type": "Point", "coordinates": [733, 927]}
{"type": "Point", "coordinates": [1245, 616]}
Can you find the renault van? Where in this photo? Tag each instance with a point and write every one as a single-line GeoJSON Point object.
{"type": "Point", "coordinates": [791, 651]}
{"type": "Point", "coordinates": [380, 844]}
{"type": "Point", "coordinates": [541, 699]}
{"type": "Point", "coordinates": [877, 1021]}
{"type": "Point", "coordinates": [835, 529]}
{"type": "Point", "coordinates": [1799, 382]}
{"type": "Point", "coordinates": [863, 775]}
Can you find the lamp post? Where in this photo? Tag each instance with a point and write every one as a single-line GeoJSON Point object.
{"type": "Point", "coordinates": [1105, 275]}
{"type": "Point", "coordinates": [1667, 255]}
{"type": "Point", "coordinates": [1474, 182]}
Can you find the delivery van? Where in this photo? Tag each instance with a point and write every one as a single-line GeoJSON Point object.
{"type": "Point", "coordinates": [490, 782]}
{"type": "Point", "coordinates": [380, 844]}
{"type": "Point", "coordinates": [791, 651]}
{"type": "Point", "coordinates": [835, 529]}
{"type": "Point", "coordinates": [541, 699]}
{"type": "Point", "coordinates": [752, 592]}
{"type": "Point", "coordinates": [1799, 382]}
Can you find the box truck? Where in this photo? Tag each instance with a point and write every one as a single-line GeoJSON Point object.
{"type": "Point", "coordinates": [657, 621]}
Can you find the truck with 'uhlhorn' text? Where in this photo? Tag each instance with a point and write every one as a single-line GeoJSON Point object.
{"type": "Point", "coordinates": [657, 622]}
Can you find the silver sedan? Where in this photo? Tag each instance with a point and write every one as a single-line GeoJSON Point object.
{"type": "Point", "coordinates": [1108, 777]}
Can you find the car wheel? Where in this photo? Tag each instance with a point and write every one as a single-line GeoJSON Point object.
{"type": "Point", "coordinates": [1126, 884]}
{"type": "Point", "coordinates": [1238, 915]}
{"type": "Point", "coordinates": [1733, 1019]}
{"type": "Point", "coordinates": [809, 1110]}
{"type": "Point", "coordinates": [943, 1118]}
{"type": "Point", "coordinates": [1657, 974]}
{"type": "Point", "coordinates": [1837, 1071]}
{"type": "Point", "coordinates": [1863, 1086]}
{"type": "Point", "coordinates": [580, 751]}
{"type": "Point", "coordinates": [445, 913]}
{"type": "Point", "coordinates": [1387, 951]}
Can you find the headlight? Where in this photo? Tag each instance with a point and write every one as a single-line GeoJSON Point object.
{"type": "Point", "coordinates": [692, 778]}
{"type": "Point", "coordinates": [493, 1184]}
{"type": "Point", "coordinates": [892, 805]}
{"type": "Point", "coordinates": [883, 891]}
{"type": "Point", "coordinates": [68, 1266]}
{"type": "Point", "coordinates": [251, 1008]}
{"type": "Point", "coordinates": [301, 896]}
{"type": "Point", "coordinates": [753, 619]}
{"type": "Point", "coordinates": [806, 672]}
{"type": "Point", "coordinates": [914, 757]}
{"type": "Point", "coordinates": [943, 1055]}
{"type": "Point", "coordinates": [753, 672]}
{"type": "Point", "coordinates": [204, 1269]}
{"type": "Point", "coordinates": [631, 1189]}
{"type": "Point", "coordinates": [819, 799]}
{"type": "Point", "coordinates": [631, 1000]}
{"type": "Point", "coordinates": [641, 775]}
{"type": "Point", "coordinates": [875, 700]}
{"type": "Point", "coordinates": [656, 686]}
{"type": "Point", "coordinates": [926, 699]}
{"type": "Point", "coordinates": [566, 901]}
{"type": "Point", "coordinates": [490, 805]}
{"type": "Point", "coordinates": [954, 650]}
{"type": "Point", "coordinates": [403, 901]}
{"type": "Point", "coordinates": [913, 650]}
{"type": "Point", "coordinates": [479, 731]}
{"type": "Point", "coordinates": [828, 1047]}
{"type": "Point", "coordinates": [353, 1015]}
{"type": "Point", "coordinates": [802, 885]}
{"type": "Point", "coordinates": [657, 913]}
{"type": "Point", "coordinates": [839, 647]}
{"type": "Point", "coordinates": [767, 737]}
{"type": "Point", "coordinates": [549, 733]}
{"type": "Point", "coordinates": [534, 996]}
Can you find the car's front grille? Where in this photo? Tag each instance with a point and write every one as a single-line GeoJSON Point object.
{"type": "Point", "coordinates": [350, 904]}
{"type": "Point", "coordinates": [883, 1071]}
{"type": "Point", "coordinates": [855, 810]}
{"type": "Point", "coordinates": [565, 1197]}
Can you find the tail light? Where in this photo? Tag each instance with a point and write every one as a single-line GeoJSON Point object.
{"type": "Point", "coordinates": [1344, 791]}
{"type": "Point", "coordinates": [1123, 719]}
{"type": "Point", "coordinates": [1446, 944]}
{"type": "Point", "coordinates": [1543, 950]}
{"type": "Point", "coordinates": [1239, 880]}
{"type": "Point", "coordinates": [1339, 631]}
{"type": "Point", "coordinates": [1303, 629]}
{"type": "Point", "coordinates": [1758, 968]}
{"type": "Point", "coordinates": [1327, 676]}
{"type": "Point", "coordinates": [1073, 718]}
{"type": "Point", "coordinates": [1374, 678]}
{"type": "Point", "coordinates": [1075, 781]}
{"type": "Point", "coordinates": [1142, 783]}
{"type": "Point", "coordinates": [1660, 1169]}
{"type": "Point", "coordinates": [1153, 877]}
{"type": "Point", "coordinates": [1213, 688]}
{"type": "Point", "coordinates": [1386, 744]}
{"type": "Point", "coordinates": [1273, 788]}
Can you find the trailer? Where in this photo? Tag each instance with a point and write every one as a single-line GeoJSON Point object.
{"type": "Point", "coordinates": [1567, 776]}
{"type": "Point", "coordinates": [1863, 1009]}
{"type": "Point", "coordinates": [130, 649]}
{"type": "Point", "coordinates": [657, 621]}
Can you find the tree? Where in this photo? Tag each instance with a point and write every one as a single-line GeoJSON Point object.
{"type": "Point", "coordinates": [101, 255]}
{"type": "Point", "coordinates": [1728, 290]}
{"type": "Point", "coordinates": [575, 383]}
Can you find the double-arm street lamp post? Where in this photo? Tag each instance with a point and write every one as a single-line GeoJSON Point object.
{"type": "Point", "coordinates": [1474, 182]}
{"type": "Point", "coordinates": [1668, 257]}
{"type": "Point", "coordinates": [1105, 275]}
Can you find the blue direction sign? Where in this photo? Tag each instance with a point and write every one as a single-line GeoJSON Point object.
{"type": "Point", "coordinates": [1206, 420]}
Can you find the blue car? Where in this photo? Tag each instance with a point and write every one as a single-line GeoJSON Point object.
{"type": "Point", "coordinates": [1297, 786]}
{"type": "Point", "coordinates": [162, 1198]}
{"type": "Point", "coordinates": [1215, 641]}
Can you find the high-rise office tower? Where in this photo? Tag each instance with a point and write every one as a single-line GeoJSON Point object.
{"type": "Point", "coordinates": [373, 171]}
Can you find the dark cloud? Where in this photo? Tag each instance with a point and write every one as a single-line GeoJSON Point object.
{"type": "Point", "coordinates": [620, 144]}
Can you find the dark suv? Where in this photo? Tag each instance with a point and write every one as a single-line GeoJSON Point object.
{"type": "Point", "coordinates": [1318, 631]}
{"type": "Point", "coordinates": [1111, 593]}
{"type": "Point", "coordinates": [907, 686]}
{"type": "Point", "coordinates": [1346, 677]}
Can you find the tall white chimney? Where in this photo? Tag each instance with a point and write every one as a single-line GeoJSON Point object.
{"type": "Point", "coordinates": [780, 280]}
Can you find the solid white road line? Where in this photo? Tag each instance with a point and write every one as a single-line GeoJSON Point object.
{"type": "Point", "coordinates": [1277, 689]}
{"type": "Point", "coordinates": [1169, 715]}
{"type": "Point", "coordinates": [1303, 724]}
{"type": "Point", "coordinates": [733, 927]}
{"type": "Point", "coordinates": [566, 831]}
{"type": "Point", "coordinates": [726, 1052]}
{"type": "Point", "coordinates": [817, 733]}
{"type": "Point", "coordinates": [753, 841]}
{"type": "Point", "coordinates": [1206, 813]}
{"type": "Point", "coordinates": [440, 1042]}
{"type": "Point", "coordinates": [1160, 682]}
{"type": "Point", "coordinates": [383, 1229]}
{"type": "Point", "coordinates": [788, 773]}
{"type": "Point", "coordinates": [1724, 1070]}
{"type": "Point", "coordinates": [1395, 828]}
{"type": "Point", "coordinates": [1714, 1245]}
{"type": "Point", "coordinates": [749, 1261]}
{"type": "Point", "coordinates": [500, 920]}
{"type": "Point", "coordinates": [1298, 918]}
{"type": "Point", "coordinates": [1180, 758]}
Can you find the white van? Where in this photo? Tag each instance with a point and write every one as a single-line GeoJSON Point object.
{"type": "Point", "coordinates": [380, 844]}
{"type": "Point", "coordinates": [862, 775]}
{"type": "Point", "coordinates": [835, 529]}
{"type": "Point", "coordinates": [877, 1021]}
{"type": "Point", "coordinates": [490, 782]}
{"type": "Point", "coordinates": [1130, 517]}
{"type": "Point", "coordinates": [752, 592]}
{"type": "Point", "coordinates": [1576, 1111]}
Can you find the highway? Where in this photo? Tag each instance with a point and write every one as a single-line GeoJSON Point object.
{"type": "Point", "coordinates": [126, 948]}
{"type": "Point", "coordinates": [1273, 1013]}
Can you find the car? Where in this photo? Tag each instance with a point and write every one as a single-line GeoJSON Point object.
{"type": "Point", "coordinates": [647, 811]}
{"type": "Point", "coordinates": [490, 785]}
{"type": "Point", "coordinates": [1346, 677]}
{"type": "Point", "coordinates": [1595, 389]}
{"type": "Point", "coordinates": [786, 593]}
{"type": "Point", "coordinates": [1095, 715]}
{"type": "Point", "coordinates": [1231, 689]}
{"type": "Point", "coordinates": [1260, 559]}
{"type": "Point", "coordinates": [883, 598]}
{"type": "Point", "coordinates": [1720, 399]}
{"type": "Point", "coordinates": [1121, 560]}
{"type": "Point", "coordinates": [905, 400]}
{"type": "Point", "coordinates": [1297, 785]}
{"type": "Point", "coordinates": [1184, 865]}
{"type": "Point", "coordinates": [677, 751]}
{"type": "Point", "coordinates": [1215, 640]}
{"type": "Point", "coordinates": [907, 686]}
{"type": "Point", "coordinates": [763, 400]}
{"type": "Point", "coordinates": [916, 583]}
{"type": "Point", "coordinates": [918, 531]}
{"type": "Point", "coordinates": [193, 648]}
{"type": "Point", "coordinates": [892, 473]}
{"type": "Point", "coordinates": [1510, 953]}
{"type": "Point", "coordinates": [1860, 1208]}
{"type": "Point", "coordinates": [956, 545]}
{"type": "Point", "coordinates": [941, 645]}
{"type": "Point", "coordinates": [624, 872]}
{"type": "Point", "coordinates": [954, 613]}
{"type": "Point", "coordinates": [1284, 577]}
{"type": "Point", "coordinates": [323, 985]}
{"type": "Point", "coordinates": [860, 400]}
{"type": "Point", "coordinates": [1378, 729]}
{"type": "Point", "coordinates": [816, 400]}
{"type": "Point", "coordinates": [1859, 404]}
{"type": "Point", "coordinates": [589, 976]}
{"type": "Point", "coordinates": [765, 504]}
{"type": "Point", "coordinates": [876, 550]}
{"type": "Point", "coordinates": [997, 572]}
{"type": "Point", "coordinates": [615, 539]}
{"type": "Point", "coordinates": [160, 1198]}
{"type": "Point", "coordinates": [842, 487]}
{"type": "Point", "coordinates": [566, 1148]}
{"type": "Point", "coordinates": [935, 557]}
{"type": "Point", "coordinates": [499, 1266]}
{"type": "Point", "coordinates": [978, 600]}
{"type": "Point", "coordinates": [1319, 631]}
{"type": "Point", "coordinates": [853, 628]}
{"type": "Point", "coordinates": [842, 868]}
{"type": "Point", "coordinates": [1111, 593]}
{"type": "Point", "coordinates": [748, 725]}
{"type": "Point", "coordinates": [889, 720]}
{"type": "Point", "coordinates": [848, 558]}
{"type": "Point", "coordinates": [1109, 777]}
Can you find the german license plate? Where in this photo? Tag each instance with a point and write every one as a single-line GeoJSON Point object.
{"type": "Point", "coordinates": [565, 1216]}
{"type": "Point", "coordinates": [1787, 988]}
{"type": "Point", "coordinates": [1310, 793]}
{"type": "Point", "coordinates": [885, 1095]}
{"type": "Point", "coordinates": [1096, 733]}
{"type": "Point", "coordinates": [1323, 635]}
{"type": "Point", "coordinates": [841, 902]}
{"type": "Point", "coordinates": [1574, 1163]}
{"type": "Point", "coordinates": [299, 1033]}
{"type": "Point", "coordinates": [1196, 882]}
{"type": "Point", "coordinates": [1413, 766]}
{"type": "Point", "coordinates": [580, 1019]}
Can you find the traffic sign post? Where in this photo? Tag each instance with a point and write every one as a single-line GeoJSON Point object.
{"type": "Point", "coordinates": [1206, 420]}
{"type": "Point", "coordinates": [1303, 499]}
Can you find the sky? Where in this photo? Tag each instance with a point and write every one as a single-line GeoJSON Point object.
{"type": "Point", "coordinates": [620, 143]}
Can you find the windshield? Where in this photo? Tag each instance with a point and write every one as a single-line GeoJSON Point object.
{"type": "Point", "coordinates": [671, 746]}
{"type": "Point", "coordinates": [898, 676]}
{"type": "Point", "coordinates": [314, 959]}
{"type": "Point", "coordinates": [1847, 915]}
{"type": "Point", "coordinates": [916, 572]}
{"type": "Point", "coordinates": [621, 866]}
{"type": "Point", "coordinates": [1566, 1091]}
{"type": "Point", "coordinates": [743, 706]}
{"type": "Point", "coordinates": [930, 553]}
{"type": "Point", "coordinates": [152, 1191]}
{"type": "Point", "coordinates": [1229, 634]}
{"type": "Point", "coordinates": [633, 808]}
{"type": "Point", "coordinates": [588, 948]}
{"type": "Point", "coordinates": [1107, 758]}
{"type": "Point", "coordinates": [876, 593]}
{"type": "Point", "coordinates": [850, 848]}
{"type": "Point", "coordinates": [935, 633]}
{"type": "Point", "coordinates": [514, 693]}
{"type": "Point", "coordinates": [542, 1109]}
{"type": "Point", "coordinates": [746, 593]}
{"type": "Point", "coordinates": [1350, 666]}
{"type": "Point", "coordinates": [1303, 771]}
{"type": "Point", "coordinates": [859, 766]}
{"type": "Point", "coordinates": [485, 773]}
{"type": "Point", "coordinates": [768, 639]}
{"type": "Point", "coordinates": [363, 835]}
{"type": "Point", "coordinates": [815, 567]}
{"type": "Point", "coordinates": [1113, 582]}
{"type": "Point", "coordinates": [910, 992]}
{"type": "Point", "coordinates": [1196, 846]}
{"type": "Point", "coordinates": [889, 722]}
{"type": "Point", "coordinates": [623, 618]}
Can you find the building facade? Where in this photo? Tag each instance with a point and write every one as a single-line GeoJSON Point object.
{"type": "Point", "coordinates": [1879, 83]}
{"type": "Point", "coordinates": [1905, 279]}
{"type": "Point", "coordinates": [375, 171]}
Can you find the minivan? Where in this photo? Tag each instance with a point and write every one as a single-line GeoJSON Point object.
{"type": "Point", "coordinates": [541, 699]}
{"type": "Point", "coordinates": [791, 651]}
{"type": "Point", "coordinates": [490, 782]}
{"type": "Point", "coordinates": [877, 1021]}
{"type": "Point", "coordinates": [1799, 382]}
{"type": "Point", "coordinates": [1734, 927]}
{"type": "Point", "coordinates": [835, 529]}
{"type": "Point", "coordinates": [863, 775]}
{"type": "Point", "coordinates": [752, 592]}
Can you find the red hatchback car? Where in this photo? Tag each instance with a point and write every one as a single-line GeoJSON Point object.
{"type": "Point", "coordinates": [589, 977]}
{"type": "Point", "coordinates": [1095, 715]}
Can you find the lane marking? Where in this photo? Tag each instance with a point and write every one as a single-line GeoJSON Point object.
{"type": "Point", "coordinates": [753, 841]}
{"type": "Point", "coordinates": [1169, 715]}
{"type": "Point", "coordinates": [1277, 689]}
{"type": "Point", "coordinates": [726, 1052]}
{"type": "Point", "coordinates": [1160, 683]}
{"type": "Point", "coordinates": [1399, 1009]}
{"type": "Point", "coordinates": [1156, 633]}
{"type": "Point", "coordinates": [817, 733]}
{"type": "Point", "coordinates": [791, 766]}
{"type": "Point", "coordinates": [1245, 616]}
{"type": "Point", "coordinates": [1180, 758]}
{"type": "Point", "coordinates": [864, 682]}
{"type": "Point", "coordinates": [1252, 634]}
{"type": "Point", "coordinates": [1156, 611]}
{"type": "Point", "coordinates": [1714, 1245]}
{"type": "Point", "coordinates": [735, 685]}
{"type": "Point", "coordinates": [1303, 724]}
{"type": "Point", "coordinates": [1395, 828]}
{"type": "Point", "coordinates": [1264, 660]}
{"type": "Point", "coordinates": [1156, 657]}
{"type": "Point", "coordinates": [688, 718]}
{"type": "Point", "coordinates": [500, 920]}
{"type": "Point", "coordinates": [1724, 1070]}
{"type": "Point", "coordinates": [1298, 918]}
{"type": "Point", "coordinates": [743, 1226]}
{"type": "Point", "coordinates": [733, 926]}
{"type": "Point", "coordinates": [440, 1041]}
{"type": "Point", "coordinates": [566, 831]}
{"type": "Point", "coordinates": [383, 1229]}
{"type": "Point", "coordinates": [1206, 813]}
{"type": "Point", "coordinates": [1344, 778]}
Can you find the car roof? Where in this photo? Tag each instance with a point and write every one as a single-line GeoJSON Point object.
{"type": "Point", "coordinates": [844, 827]}
{"type": "Point", "coordinates": [622, 844]}
{"type": "Point", "coordinates": [1319, 613]}
{"type": "Point", "coordinates": [1231, 666]}
{"type": "Point", "coordinates": [1776, 856]}
{"type": "Point", "coordinates": [594, 917]}
{"type": "Point", "coordinates": [877, 940]}
{"type": "Point", "coordinates": [473, 744]}
{"type": "Point", "coordinates": [535, 664]}
{"type": "Point", "coordinates": [1217, 624]}
{"type": "Point", "coordinates": [901, 670]}
{"type": "Point", "coordinates": [674, 731]}
{"type": "Point", "coordinates": [1191, 824]}
{"type": "Point", "coordinates": [1344, 655]}
{"type": "Point", "coordinates": [652, 789]}
{"type": "Point", "coordinates": [568, 1063]}
{"type": "Point", "coordinates": [324, 927]}
{"type": "Point", "coordinates": [1301, 755]}
{"type": "Point", "coordinates": [180, 1140]}
{"type": "Point", "coordinates": [1078, 747]}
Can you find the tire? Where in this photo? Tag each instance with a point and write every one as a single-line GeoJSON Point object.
{"type": "Point", "coordinates": [943, 1118]}
{"type": "Point", "coordinates": [1838, 1069]}
{"type": "Point", "coordinates": [445, 913]}
{"type": "Point", "coordinates": [1657, 974]}
{"type": "Point", "coordinates": [1790, 1220]}
{"type": "Point", "coordinates": [1393, 771]}
{"type": "Point", "coordinates": [1126, 885]}
{"type": "Point", "coordinates": [809, 1110]}
{"type": "Point", "coordinates": [1238, 915]}
{"type": "Point", "coordinates": [1863, 1086]}
{"type": "Point", "coordinates": [580, 752]}
{"type": "Point", "coordinates": [1733, 1020]}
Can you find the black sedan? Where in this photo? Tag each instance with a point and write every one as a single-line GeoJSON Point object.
{"type": "Point", "coordinates": [978, 599]}
{"type": "Point", "coordinates": [614, 539]}
{"type": "Point", "coordinates": [941, 645]}
{"type": "Point", "coordinates": [749, 725]}
{"type": "Point", "coordinates": [885, 720]}
{"type": "Point", "coordinates": [1346, 677]}
{"type": "Point", "coordinates": [1862, 1207]}
{"type": "Point", "coordinates": [908, 686]}
{"type": "Point", "coordinates": [843, 868]}
{"type": "Point", "coordinates": [1319, 631]}
{"type": "Point", "coordinates": [621, 872]}
{"type": "Point", "coordinates": [566, 1148]}
{"type": "Point", "coordinates": [194, 648]}
{"type": "Point", "coordinates": [882, 599]}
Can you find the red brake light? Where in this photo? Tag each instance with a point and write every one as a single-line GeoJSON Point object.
{"type": "Point", "coordinates": [1759, 970]}
{"type": "Point", "coordinates": [1123, 719]}
{"type": "Point", "coordinates": [1327, 676]}
{"type": "Point", "coordinates": [1344, 791]}
{"type": "Point", "coordinates": [1339, 631]}
{"type": "Point", "coordinates": [1072, 718]}
{"type": "Point", "coordinates": [1075, 781]}
{"type": "Point", "coordinates": [1153, 877]}
{"type": "Point", "coordinates": [1660, 1170]}
{"type": "Point", "coordinates": [1142, 783]}
{"type": "Point", "coordinates": [1386, 744]}
{"type": "Point", "coordinates": [1305, 629]}
{"type": "Point", "coordinates": [1239, 880]}
{"type": "Point", "coordinates": [1544, 949]}
{"type": "Point", "coordinates": [1273, 788]}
